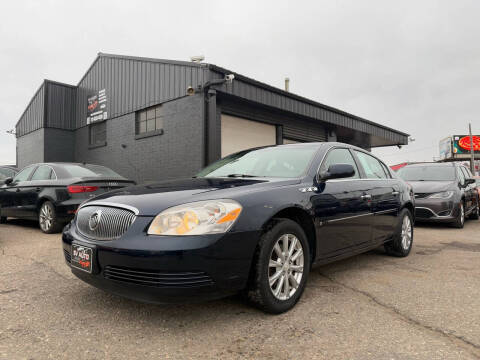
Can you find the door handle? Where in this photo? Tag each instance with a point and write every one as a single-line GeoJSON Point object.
{"type": "Point", "coordinates": [38, 189]}
{"type": "Point", "coordinates": [395, 192]}
{"type": "Point", "coordinates": [366, 197]}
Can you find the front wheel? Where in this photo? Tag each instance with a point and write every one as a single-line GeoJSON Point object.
{"type": "Point", "coordinates": [281, 267]}
{"type": "Point", "coordinates": [402, 241]}
{"type": "Point", "coordinates": [460, 219]}
{"type": "Point", "coordinates": [47, 218]}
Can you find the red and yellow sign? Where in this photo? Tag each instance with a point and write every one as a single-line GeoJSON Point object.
{"type": "Point", "coordinates": [464, 143]}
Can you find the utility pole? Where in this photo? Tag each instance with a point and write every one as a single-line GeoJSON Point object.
{"type": "Point", "coordinates": [472, 154]}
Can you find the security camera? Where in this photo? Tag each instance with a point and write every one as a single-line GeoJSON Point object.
{"type": "Point", "coordinates": [190, 90]}
{"type": "Point", "coordinates": [229, 78]}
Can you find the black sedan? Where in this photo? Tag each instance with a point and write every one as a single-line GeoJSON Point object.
{"type": "Point", "coordinates": [52, 192]}
{"type": "Point", "coordinates": [444, 192]}
{"type": "Point", "coordinates": [255, 221]}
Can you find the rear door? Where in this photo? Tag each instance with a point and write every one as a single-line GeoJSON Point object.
{"type": "Point", "coordinates": [342, 208]}
{"type": "Point", "coordinates": [385, 192]}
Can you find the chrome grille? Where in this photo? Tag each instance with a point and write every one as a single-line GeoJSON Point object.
{"type": "Point", "coordinates": [111, 222]}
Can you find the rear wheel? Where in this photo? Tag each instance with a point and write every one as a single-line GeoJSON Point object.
{"type": "Point", "coordinates": [403, 237]}
{"type": "Point", "coordinates": [460, 219]}
{"type": "Point", "coordinates": [281, 267]}
{"type": "Point", "coordinates": [47, 218]}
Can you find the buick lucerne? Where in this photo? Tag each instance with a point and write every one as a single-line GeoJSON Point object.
{"type": "Point", "coordinates": [254, 222]}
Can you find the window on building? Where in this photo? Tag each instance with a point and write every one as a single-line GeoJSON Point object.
{"type": "Point", "coordinates": [98, 133]}
{"type": "Point", "coordinates": [339, 156]}
{"type": "Point", "coordinates": [149, 120]}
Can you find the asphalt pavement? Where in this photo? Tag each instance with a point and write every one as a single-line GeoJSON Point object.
{"type": "Point", "coordinates": [371, 306]}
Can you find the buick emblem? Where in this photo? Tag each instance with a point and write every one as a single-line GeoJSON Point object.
{"type": "Point", "coordinates": [94, 220]}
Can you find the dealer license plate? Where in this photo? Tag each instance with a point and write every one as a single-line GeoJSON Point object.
{"type": "Point", "coordinates": [82, 257]}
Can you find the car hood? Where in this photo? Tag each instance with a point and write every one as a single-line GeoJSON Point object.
{"type": "Point", "coordinates": [151, 199]}
{"type": "Point", "coordinates": [429, 187]}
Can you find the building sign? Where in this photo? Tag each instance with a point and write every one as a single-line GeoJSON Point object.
{"type": "Point", "coordinates": [446, 148]}
{"type": "Point", "coordinates": [461, 144]}
{"type": "Point", "coordinates": [97, 107]}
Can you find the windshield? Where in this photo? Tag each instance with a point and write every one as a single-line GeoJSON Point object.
{"type": "Point", "coordinates": [427, 173]}
{"type": "Point", "coordinates": [283, 162]}
{"type": "Point", "coordinates": [90, 171]}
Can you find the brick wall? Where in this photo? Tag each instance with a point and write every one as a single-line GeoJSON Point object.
{"type": "Point", "coordinates": [178, 152]}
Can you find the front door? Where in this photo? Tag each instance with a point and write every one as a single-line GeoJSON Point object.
{"type": "Point", "coordinates": [12, 197]}
{"type": "Point", "coordinates": [342, 208]}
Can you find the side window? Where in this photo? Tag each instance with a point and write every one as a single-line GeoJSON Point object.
{"type": "Point", "coordinates": [372, 167]}
{"type": "Point", "coordinates": [339, 156]}
{"type": "Point", "coordinates": [24, 174]}
{"type": "Point", "coordinates": [461, 176]}
{"type": "Point", "coordinates": [466, 172]}
{"type": "Point", "coordinates": [387, 170]}
{"type": "Point", "coordinates": [42, 173]}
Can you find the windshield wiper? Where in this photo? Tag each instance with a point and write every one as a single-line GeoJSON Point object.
{"type": "Point", "coordinates": [240, 176]}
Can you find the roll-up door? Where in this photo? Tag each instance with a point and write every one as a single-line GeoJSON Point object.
{"type": "Point", "coordinates": [240, 134]}
{"type": "Point", "coordinates": [302, 131]}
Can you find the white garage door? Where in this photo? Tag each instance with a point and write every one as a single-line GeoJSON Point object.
{"type": "Point", "coordinates": [240, 134]}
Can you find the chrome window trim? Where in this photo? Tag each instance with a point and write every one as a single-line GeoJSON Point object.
{"type": "Point", "coordinates": [355, 160]}
{"type": "Point", "coordinates": [111, 204]}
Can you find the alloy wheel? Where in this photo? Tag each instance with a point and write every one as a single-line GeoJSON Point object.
{"type": "Point", "coordinates": [46, 217]}
{"type": "Point", "coordinates": [406, 232]}
{"type": "Point", "coordinates": [285, 268]}
{"type": "Point", "coordinates": [462, 214]}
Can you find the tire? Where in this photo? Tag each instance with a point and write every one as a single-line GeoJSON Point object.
{"type": "Point", "coordinates": [401, 244]}
{"type": "Point", "coordinates": [460, 219]}
{"type": "Point", "coordinates": [269, 261]}
{"type": "Point", "coordinates": [47, 219]}
{"type": "Point", "coordinates": [475, 215]}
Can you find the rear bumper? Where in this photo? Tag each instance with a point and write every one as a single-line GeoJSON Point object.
{"type": "Point", "coordinates": [166, 269]}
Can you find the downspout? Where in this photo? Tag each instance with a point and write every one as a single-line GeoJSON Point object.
{"type": "Point", "coordinates": [212, 142]}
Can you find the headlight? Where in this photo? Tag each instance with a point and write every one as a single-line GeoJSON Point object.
{"type": "Point", "coordinates": [442, 195]}
{"type": "Point", "coordinates": [198, 218]}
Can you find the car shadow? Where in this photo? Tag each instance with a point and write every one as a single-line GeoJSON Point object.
{"type": "Point", "coordinates": [23, 223]}
{"type": "Point", "coordinates": [96, 301]}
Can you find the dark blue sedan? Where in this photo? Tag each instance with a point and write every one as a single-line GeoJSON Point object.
{"type": "Point", "coordinates": [254, 222]}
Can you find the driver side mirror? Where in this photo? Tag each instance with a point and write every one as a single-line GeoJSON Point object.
{"type": "Point", "coordinates": [337, 171]}
{"type": "Point", "coordinates": [8, 181]}
{"type": "Point", "coordinates": [469, 181]}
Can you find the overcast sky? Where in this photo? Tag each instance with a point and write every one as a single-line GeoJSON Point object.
{"type": "Point", "coordinates": [410, 65]}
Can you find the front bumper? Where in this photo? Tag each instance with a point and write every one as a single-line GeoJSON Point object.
{"type": "Point", "coordinates": [166, 269]}
{"type": "Point", "coordinates": [436, 210]}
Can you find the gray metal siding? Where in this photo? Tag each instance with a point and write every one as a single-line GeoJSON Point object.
{"type": "Point", "coordinates": [255, 91]}
{"type": "Point", "coordinates": [33, 117]}
{"type": "Point", "coordinates": [30, 148]}
{"type": "Point", "coordinates": [60, 109]}
{"type": "Point", "coordinates": [132, 84]}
